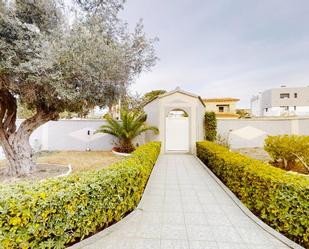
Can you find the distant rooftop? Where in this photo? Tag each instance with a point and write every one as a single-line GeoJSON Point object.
{"type": "Point", "coordinates": [220, 100]}
{"type": "Point", "coordinates": [287, 88]}
{"type": "Point", "coordinates": [226, 115]}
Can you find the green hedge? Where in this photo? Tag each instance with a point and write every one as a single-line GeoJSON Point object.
{"type": "Point", "coordinates": [210, 126]}
{"type": "Point", "coordinates": [279, 198]}
{"type": "Point", "coordinates": [59, 212]}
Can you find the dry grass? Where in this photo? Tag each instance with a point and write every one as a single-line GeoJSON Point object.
{"type": "Point", "coordinates": [257, 153]}
{"type": "Point", "coordinates": [79, 160]}
{"type": "Point", "coordinates": [262, 155]}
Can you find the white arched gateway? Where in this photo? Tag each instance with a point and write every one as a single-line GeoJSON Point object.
{"type": "Point", "coordinates": [176, 123]}
{"type": "Point", "coordinates": [179, 116]}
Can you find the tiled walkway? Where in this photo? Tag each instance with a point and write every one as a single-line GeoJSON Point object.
{"type": "Point", "coordinates": [183, 208]}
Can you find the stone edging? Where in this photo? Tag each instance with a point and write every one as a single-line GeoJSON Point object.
{"type": "Point", "coordinates": [61, 175]}
{"type": "Point", "coordinates": [248, 213]}
{"type": "Point", "coordinates": [120, 153]}
{"type": "Point", "coordinates": [66, 173]}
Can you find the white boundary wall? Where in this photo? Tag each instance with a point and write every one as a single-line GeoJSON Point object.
{"type": "Point", "coordinates": [70, 135]}
{"type": "Point", "coordinates": [79, 134]}
{"type": "Point", "coordinates": [252, 132]}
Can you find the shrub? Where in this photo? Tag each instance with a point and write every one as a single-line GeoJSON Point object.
{"type": "Point", "coordinates": [210, 125]}
{"type": "Point", "coordinates": [279, 198]}
{"type": "Point", "coordinates": [132, 124]}
{"type": "Point", "coordinates": [223, 141]}
{"type": "Point", "coordinates": [288, 150]}
{"type": "Point", "coordinates": [59, 212]}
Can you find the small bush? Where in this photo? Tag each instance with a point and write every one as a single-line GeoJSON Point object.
{"type": "Point", "coordinates": [288, 151]}
{"type": "Point", "coordinates": [279, 198]}
{"type": "Point", "coordinates": [59, 212]}
{"type": "Point", "coordinates": [210, 125]}
{"type": "Point", "coordinates": [223, 141]}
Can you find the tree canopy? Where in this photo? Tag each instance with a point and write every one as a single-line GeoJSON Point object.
{"type": "Point", "coordinates": [56, 58]}
{"type": "Point", "coordinates": [149, 96]}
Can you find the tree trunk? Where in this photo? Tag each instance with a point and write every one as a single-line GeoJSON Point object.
{"type": "Point", "coordinates": [19, 155]}
{"type": "Point", "coordinates": [16, 144]}
{"type": "Point", "coordinates": [126, 146]}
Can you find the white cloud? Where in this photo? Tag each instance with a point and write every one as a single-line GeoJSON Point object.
{"type": "Point", "coordinates": [225, 48]}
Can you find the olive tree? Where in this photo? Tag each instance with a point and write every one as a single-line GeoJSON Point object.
{"type": "Point", "coordinates": [56, 58]}
{"type": "Point", "coordinates": [149, 96]}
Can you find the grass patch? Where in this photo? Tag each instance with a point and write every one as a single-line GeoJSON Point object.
{"type": "Point", "coordinates": [80, 160]}
{"type": "Point", "coordinates": [53, 163]}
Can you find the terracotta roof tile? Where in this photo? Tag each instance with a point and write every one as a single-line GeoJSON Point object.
{"type": "Point", "coordinates": [226, 115]}
{"type": "Point", "coordinates": [220, 100]}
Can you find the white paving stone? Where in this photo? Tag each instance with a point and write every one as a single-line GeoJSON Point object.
{"type": "Point", "coordinates": [183, 208]}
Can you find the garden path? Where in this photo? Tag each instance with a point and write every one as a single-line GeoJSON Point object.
{"type": "Point", "coordinates": [184, 207]}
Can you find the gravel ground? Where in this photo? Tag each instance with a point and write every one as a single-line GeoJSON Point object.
{"type": "Point", "coordinates": [54, 163]}
{"type": "Point", "coordinates": [257, 153]}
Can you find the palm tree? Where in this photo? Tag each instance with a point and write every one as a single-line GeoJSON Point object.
{"type": "Point", "coordinates": [131, 125]}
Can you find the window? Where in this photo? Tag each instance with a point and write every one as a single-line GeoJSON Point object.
{"type": "Point", "coordinates": [221, 108]}
{"type": "Point", "coordinates": [266, 109]}
{"type": "Point", "coordinates": [295, 96]}
{"type": "Point", "coordinates": [294, 108]}
{"type": "Point", "coordinates": [284, 95]}
{"type": "Point", "coordinates": [285, 108]}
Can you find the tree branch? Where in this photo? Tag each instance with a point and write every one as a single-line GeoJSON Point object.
{"type": "Point", "coordinates": [38, 119]}
{"type": "Point", "coordinates": [8, 110]}
{"type": "Point", "coordinates": [302, 161]}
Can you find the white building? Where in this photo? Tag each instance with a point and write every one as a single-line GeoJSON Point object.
{"type": "Point", "coordinates": [284, 101]}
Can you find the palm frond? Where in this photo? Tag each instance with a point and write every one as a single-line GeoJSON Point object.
{"type": "Point", "coordinates": [131, 125]}
{"type": "Point", "coordinates": [154, 129]}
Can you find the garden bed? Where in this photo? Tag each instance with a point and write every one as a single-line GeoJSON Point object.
{"type": "Point", "coordinates": [79, 160]}
{"type": "Point", "coordinates": [54, 163]}
{"type": "Point", "coordinates": [256, 153]}
{"type": "Point", "coordinates": [260, 154]}
{"type": "Point", "coordinates": [117, 153]}
{"type": "Point", "coordinates": [43, 171]}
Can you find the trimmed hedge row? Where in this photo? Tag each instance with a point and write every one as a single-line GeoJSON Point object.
{"type": "Point", "coordinates": [59, 212]}
{"type": "Point", "coordinates": [210, 126]}
{"type": "Point", "coordinates": [279, 198]}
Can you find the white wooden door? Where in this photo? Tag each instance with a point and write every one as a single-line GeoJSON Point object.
{"type": "Point", "coordinates": [177, 134]}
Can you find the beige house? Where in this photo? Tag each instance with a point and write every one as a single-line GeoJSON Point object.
{"type": "Point", "coordinates": [223, 107]}
{"type": "Point", "coordinates": [179, 116]}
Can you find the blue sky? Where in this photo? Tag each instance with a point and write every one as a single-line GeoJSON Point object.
{"type": "Point", "coordinates": [224, 48]}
